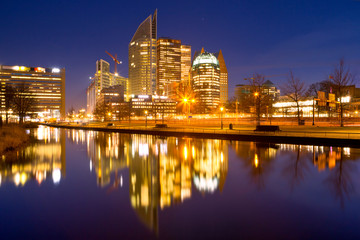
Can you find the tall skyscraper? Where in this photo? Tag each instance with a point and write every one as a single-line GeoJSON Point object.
{"type": "Point", "coordinates": [102, 75]}
{"type": "Point", "coordinates": [185, 63]}
{"type": "Point", "coordinates": [103, 79]}
{"type": "Point", "coordinates": [223, 78]}
{"type": "Point", "coordinates": [45, 85]}
{"type": "Point", "coordinates": [168, 63]}
{"type": "Point", "coordinates": [142, 58]}
{"type": "Point", "coordinates": [205, 75]}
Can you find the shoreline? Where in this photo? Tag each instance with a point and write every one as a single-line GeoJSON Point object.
{"type": "Point", "coordinates": [12, 138]}
{"type": "Point", "coordinates": [292, 137]}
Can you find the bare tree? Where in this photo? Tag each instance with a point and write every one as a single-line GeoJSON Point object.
{"type": "Point", "coordinates": [295, 90]}
{"type": "Point", "coordinates": [259, 98]}
{"type": "Point", "coordinates": [9, 96]}
{"type": "Point", "coordinates": [340, 79]}
{"type": "Point", "coordinates": [102, 110]}
{"type": "Point", "coordinates": [23, 101]}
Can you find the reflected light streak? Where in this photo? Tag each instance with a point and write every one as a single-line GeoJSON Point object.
{"type": "Point", "coordinates": [256, 160]}
{"type": "Point", "coordinates": [56, 176]}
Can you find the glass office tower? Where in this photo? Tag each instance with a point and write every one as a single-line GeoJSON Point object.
{"type": "Point", "coordinates": [205, 74]}
{"type": "Point", "coordinates": [142, 58]}
{"type": "Point", "coordinates": [168, 63]}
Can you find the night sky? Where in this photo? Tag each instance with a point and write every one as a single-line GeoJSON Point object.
{"type": "Point", "coordinates": [256, 36]}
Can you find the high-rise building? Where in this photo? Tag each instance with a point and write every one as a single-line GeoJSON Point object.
{"type": "Point", "coordinates": [103, 79]}
{"type": "Point", "coordinates": [185, 63]}
{"type": "Point", "coordinates": [205, 73]}
{"type": "Point", "coordinates": [120, 80]}
{"type": "Point", "coordinates": [168, 63]}
{"type": "Point", "coordinates": [45, 85]}
{"type": "Point", "coordinates": [91, 96]}
{"type": "Point", "coordinates": [142, 58]}
{"type": "Point", "coordinates": [223, 78]}
{"type": "Point", "coordinates": [102, 75]}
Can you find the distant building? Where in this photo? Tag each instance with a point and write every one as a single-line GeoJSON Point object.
{"type": "Point", "coordinates": [155, 105]}
{"type": "Point", "coordinates": [168, 63]}
{"type": "Point", "coordinates": [142, 58]}
{"type": "Point", "coordinates": [112, 95]}
{"type": "Point", "coordinates": [205, 74]}
{"type": "Point", "coordinates": [103, 79]}
{"type": "Point", "coordinates": [46, 86]}
{"type": "Point", "coordinates": [102, 75]}
{"type": "Point", "coordinates": [91, 96]}
{"type": "Point", "coordinates": [267, 88]}
{"type": "Point", "coordinates": [120, 80]}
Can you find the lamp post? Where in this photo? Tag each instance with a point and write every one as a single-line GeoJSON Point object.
{"type": "Point", "coordinates": [221, 117]}
{"type": "Point", "coordinates": [314, 99]}
{"type": "Point", "coordinates": [257, 108]}
{"type": "Point", "coordinates": [146, 113]}
{"type": "Point", "coordinates": [188, 102]}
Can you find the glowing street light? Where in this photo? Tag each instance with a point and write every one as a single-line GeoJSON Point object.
{"type": "Point", "coordinates": [188, 102]}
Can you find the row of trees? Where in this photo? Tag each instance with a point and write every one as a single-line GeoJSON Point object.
{"type": "Point", "coordinates": [19, 100]}
{"type": "Point", "coordinates": [295, 90]}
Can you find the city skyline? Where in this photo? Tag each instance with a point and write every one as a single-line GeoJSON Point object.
{"type": "Point", "coordinates": [253, 37]}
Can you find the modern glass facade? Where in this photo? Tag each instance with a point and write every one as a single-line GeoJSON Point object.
{"type": "Point", "coordinates": [206, 82]}
{"type": "Point", "coordinates": [142, 58]}
{"type": "Point", "coordinates": [45, 85]}
{"type": "Point", "coordinates": [168, 63]}
{"type": "Point", "coordinates": [185, 63]}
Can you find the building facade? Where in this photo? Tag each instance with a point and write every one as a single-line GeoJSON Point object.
{"type": "Point", "coordinates": [103, 79]}
{"type": "Point", "coordinates": [102, 75]}
{"type": "Point", "coordinates": [185, 63]}
{"type": "Point", "coordinates": [45, 85]}
{"type": "Point", "coordinates": [223, 78]}
{"type": "Point", "coordinates": [205, 74]}
{"type": "Point", "coordinates": [91, 96]}
{"type": "Point", "coordinates": [168, 63]}
{"type": "Point", "coordinates": [154, 105]}
{"type": "Point", "coordinates": [142, 58]}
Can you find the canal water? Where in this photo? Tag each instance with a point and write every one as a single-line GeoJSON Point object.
{"type": "Point", "coordinates": [75, 184]}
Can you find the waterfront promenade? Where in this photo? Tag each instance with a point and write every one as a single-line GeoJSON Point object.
{"type": "Point", "coordinates": [289, 134]}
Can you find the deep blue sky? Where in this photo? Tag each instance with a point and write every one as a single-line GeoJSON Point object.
{"type": "Point", "coordinates": [256, 36]}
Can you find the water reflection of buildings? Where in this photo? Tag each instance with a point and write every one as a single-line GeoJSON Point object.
{"type": "Point", "coordinates": [162, 171]}
{"type": "Point", "coordinates": [39, 161]}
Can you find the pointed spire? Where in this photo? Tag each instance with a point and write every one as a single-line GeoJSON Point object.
{"type": "Point", "coordinates": [202, 50]}
{"type": "Point", "coordinates": [221, 60]}
{"type": "Point", "coordinates": [154, 25]}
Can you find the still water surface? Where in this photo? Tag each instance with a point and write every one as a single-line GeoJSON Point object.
{"type": "Point", "coordinates": [94, 185]}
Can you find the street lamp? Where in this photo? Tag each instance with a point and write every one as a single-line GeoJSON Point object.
{"type": "Point", "coordinates": [146, 113]}
{"type": "Point", "coordinates": [221, 111]}
{"type": "Point", "coordinates": [188, 102]}
{"type": "Point", "coordinates": [257, 108]}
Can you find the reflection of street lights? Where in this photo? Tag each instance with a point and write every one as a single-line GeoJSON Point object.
{"type": "Point", "coordinates": [146, 113]}
{"type": "Point", "coordinates": [221, 111]}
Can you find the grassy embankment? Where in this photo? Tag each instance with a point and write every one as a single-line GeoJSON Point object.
{"type": "Point", "coordinates": [12, 137]}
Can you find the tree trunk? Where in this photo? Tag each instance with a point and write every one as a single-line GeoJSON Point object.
{"type": "Point", "coordinates": [298, 112]}
{"type": "Point", "coordinates": [341, 115]}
